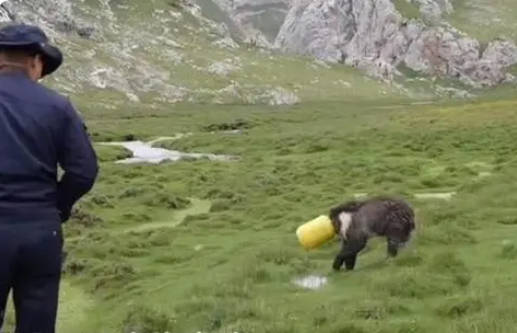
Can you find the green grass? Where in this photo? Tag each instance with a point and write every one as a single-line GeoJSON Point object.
{"type": "Point", "coordinates": [111, 153]}
{"type": "Point", "coordinates": [210, 246]}
{"type": "Point", "coordinates": [408, 9]}
{"type": "Point", "coordinates": [136, 43]}
{"type": "Point", "coordinates": [485, 19]}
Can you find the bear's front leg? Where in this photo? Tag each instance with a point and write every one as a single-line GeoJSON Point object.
{"type": "Point", "coordinates": [349, 252]}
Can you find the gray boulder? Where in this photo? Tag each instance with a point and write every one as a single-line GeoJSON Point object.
{"type": "Point", "coordinates": [447, 52]}
{"type": "Point", "coordinates": [5, 12]}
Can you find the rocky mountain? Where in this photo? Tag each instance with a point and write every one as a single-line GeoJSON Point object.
{"type": "Point", "coordinates": [262, 51]}
{"type": "Point", "coordinates": [256, 22]}
{"type": "Point", "coordinates": [375, 36]}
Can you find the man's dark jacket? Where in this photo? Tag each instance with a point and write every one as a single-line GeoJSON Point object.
{"type": "Point", "coordinates": [40, 129]}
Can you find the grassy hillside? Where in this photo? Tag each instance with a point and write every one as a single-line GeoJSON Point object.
{"type": "Point", "coordinates": [204, 246]}
{"type": "Point", "coordinates": [156, 51]}
{"type": "Point", "coordinates": [486, 19]}
{"type": "Point", "coordinates": [407, 9]}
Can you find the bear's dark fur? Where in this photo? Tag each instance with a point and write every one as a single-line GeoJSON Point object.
{"type": "Point", "coordinates": [379, 216]}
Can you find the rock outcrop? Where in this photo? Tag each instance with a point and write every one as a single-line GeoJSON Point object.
{"type": "Point", "coordinates": [447, 52]}
{"type": "Point", "coordinates": [264, 16]}
{"type": "Point", "coordinates": [373, 35]}
{"type": "Point", "coordinates": [92, 37]}
{"type": "Point", "coordinates": [5, 13]}
{"type": "Point", "coordinates": [255, 22]}
{"type": "Point", "coordinates": [108, 46]}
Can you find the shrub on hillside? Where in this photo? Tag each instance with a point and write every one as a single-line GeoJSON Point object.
{"type": "Point", "coordinates": [347, 328]}
{"type": "Point", "coordinates": [418, 286]}
{"type": "Point", "coordinates": [135, 191]}
{"type": "Point", "coordinates": [220, 205]}
{"type": "Point", "coordinates": [145, 320]}
{"type": "Point", "coordinates": [110, 275]}
{"type": "Point", "coordinates": [448, 264]}
{"type": "Point", "coordinates": [508, 250]}
{"type": "Point", "coordinates": [99, 200]}
{"type": "Point", "coordinates": [238, 124]}
{"type": "Point", "coordinates": [84, 218]}
{"type": "Point", "coordinates": [459, 307]}
{"type": "Point", "coordinates": [165, 200]}
{"type": "Point", "coordinates": [160, 239]}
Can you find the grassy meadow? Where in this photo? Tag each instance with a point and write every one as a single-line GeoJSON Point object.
{"type": "Point", "coordinates": [200, 246]}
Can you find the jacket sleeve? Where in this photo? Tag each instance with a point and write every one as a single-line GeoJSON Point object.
{"type": "Point", "coordinates": [78, 160]}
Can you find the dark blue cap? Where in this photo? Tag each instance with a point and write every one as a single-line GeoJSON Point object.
{"type": "Point", "coordinates": [28, 37]}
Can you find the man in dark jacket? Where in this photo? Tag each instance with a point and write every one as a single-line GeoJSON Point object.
{"type": "Point", "coordinates": [39, 130]}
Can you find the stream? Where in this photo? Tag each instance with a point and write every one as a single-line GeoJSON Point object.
{"type": "Point", "coordinates": [145, 152]}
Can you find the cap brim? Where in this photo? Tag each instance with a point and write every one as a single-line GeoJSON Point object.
{"type": "Point", "coordinates": [17, 44]}
{"type": "Point", "coordinates": [52, 58]}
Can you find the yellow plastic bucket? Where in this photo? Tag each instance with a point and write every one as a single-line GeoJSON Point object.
{"type": "Point", "coordinates": [315, 233]}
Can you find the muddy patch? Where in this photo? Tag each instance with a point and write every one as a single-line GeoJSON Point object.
{"type": "Point", "coordinates": [312, 282]}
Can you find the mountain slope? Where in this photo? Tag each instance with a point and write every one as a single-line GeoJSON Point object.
{"type": "Point", "coordinates": [379, 36]}
{"type": "Point", "coordinates": [224, 52]}
{"type": "Point", "coordinates": [153, 52]}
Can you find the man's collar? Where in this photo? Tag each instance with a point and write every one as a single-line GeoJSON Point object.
{"type": "Point", "coordinates": [12, 69]}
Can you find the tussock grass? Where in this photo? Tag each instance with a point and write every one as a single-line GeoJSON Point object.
{"type": "Point", "coordinates": [145, 320]}
{"type": "Point", "coordinates": [459, 307]}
